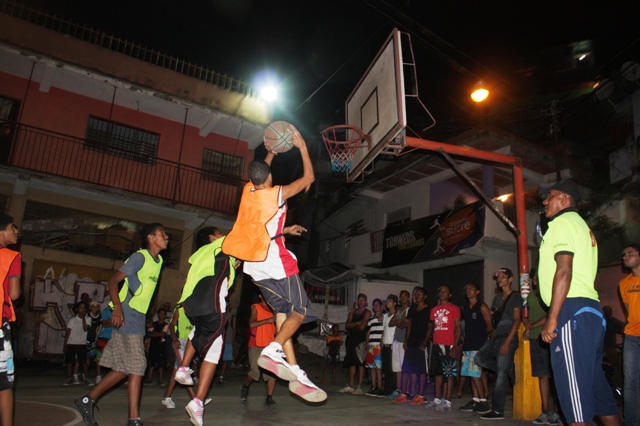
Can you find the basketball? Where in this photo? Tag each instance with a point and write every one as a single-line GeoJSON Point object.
{"type": "Point", "coordinates": [277, 137]}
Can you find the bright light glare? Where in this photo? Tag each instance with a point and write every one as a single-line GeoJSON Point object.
{"type": "Point", "coordinates": [582, 57]}
{"type": "Point", "coordinates": [480, 95]}
{"type": "Point", "coordinates": [269, 93]}
{"type": "Point", "coordinates": [503, 198]}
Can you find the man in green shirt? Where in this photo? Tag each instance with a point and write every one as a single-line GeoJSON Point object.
{"type": "Point", "coordinates": [575, 323]}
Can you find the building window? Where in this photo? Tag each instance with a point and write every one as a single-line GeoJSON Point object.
{"type": "Point", "coordinates": [122, 141]}
{"type": "Point", "coordinates": [60, 228]}
{"type": "Point", "coordinates": [398, 217]}
{"type": "Point", "coordinates": [217, 165]}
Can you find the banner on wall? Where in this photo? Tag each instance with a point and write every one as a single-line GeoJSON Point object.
{"type": "Point", "coordinates": [434, 236]}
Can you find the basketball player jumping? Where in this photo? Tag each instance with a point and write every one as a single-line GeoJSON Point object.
{"type": "Point", "coordinates": [257, 238]}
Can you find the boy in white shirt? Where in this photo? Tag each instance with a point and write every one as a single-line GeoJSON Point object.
{"type": "Point", "coordinates": [75, 345]}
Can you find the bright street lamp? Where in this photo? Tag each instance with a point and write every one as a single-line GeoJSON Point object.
{"type": "Point", "coordinates": [480, 93]}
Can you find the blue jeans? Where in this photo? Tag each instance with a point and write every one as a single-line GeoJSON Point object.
{"type": "Point", "coordinates": [631, 369]}
{"type": "Point", "coordinates": [489, 357]}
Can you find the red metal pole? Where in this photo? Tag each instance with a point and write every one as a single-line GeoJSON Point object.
{"type": "Point", "coordinates": [518, 187]}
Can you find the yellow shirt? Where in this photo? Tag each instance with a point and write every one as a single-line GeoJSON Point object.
{"type": "Point", "coordinates": [630, 292]}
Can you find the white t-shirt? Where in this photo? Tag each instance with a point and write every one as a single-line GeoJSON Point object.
{"type": "Point", "coordinates": [389, 332]}
{"type": "Point", "coordinates": [77, 335]}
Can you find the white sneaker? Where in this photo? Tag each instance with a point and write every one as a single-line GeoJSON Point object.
{"type": "Point", "coordinates": [98, 379]}
{"type": "Point", "coordinates": [183, 376]}
{"type": "Point", "coordinates": [168, 402]}
{"type": "Point", "coordinates": [75, 379]}
{"type": "Point", "coordinates": [358, 391]}
{"type": "Point", "coordinates": [195, 409]}
{"type": "Point", "coordinates": [207, 401]}
{"type": "Point", "coordinates": [272, 359]}
{"type": "Point", "coordinates": [305, 388]}
{"type": "Point", "coordinates": [347, 389]}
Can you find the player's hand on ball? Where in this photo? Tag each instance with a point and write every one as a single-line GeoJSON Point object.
{"type": "Point", "coordinates": [298, 140]}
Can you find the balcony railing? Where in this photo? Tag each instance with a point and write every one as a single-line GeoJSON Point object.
{"type": "Point", "coordinates": [116, 44]}
{"type": "Point", "coordinates": [56, 154]}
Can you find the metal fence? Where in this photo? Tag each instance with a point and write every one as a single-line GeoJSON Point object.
{"type": "Point", "coordinates": [116, 44]}
{"type": "Point", "coordinates": [62, 155]}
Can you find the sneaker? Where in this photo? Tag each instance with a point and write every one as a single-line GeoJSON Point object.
{"type": "Point", "coordinates": [444, 406]}
{"type": "Point", "coordinates": [358, 392]}
{"type": "Point", "coordinates": [183, 376]}
{"type": "Point", "coordinates": [68, 382]}
{"type": "Point", "coordinates": [98, 379]}
{"type": "Point", "coordinates": [207, 401]}
{"type": "Point", "coordinates": [541, 420]}
{"type": "Point", "coordinates": [168, 402]}
{"type": "Point", "coordinates": [147, 383]}
{"type": "Point", "coordinates": [417, 400]}
{"type": "Point", "coordinates": [195, 409]}
{"type": "Point", "coordinates": [85, 405]}
{"type": "Point", "coordinates": [482, 407]}
{"type": "Point", "coordinates": [347, 389]}
{"type": "Point", "coordinates": [554, 419]}
{"type": "Point", "coordinates": [221, 380]}
{"type": "Point", "coordinates": [400, 399]}
{"type": "Point", "coordinates": [134, 422]}
{"type": "Point", "coordinates": [75, 379]}
{"type": "Point", "coordinates": [270, 403]}
{"type": "Point", "coordinates": [393, 395]}
{"type": "Point", "coordinates": [272, 359]}
{"type": "Point", "coordinates": [492, 415]}
{"type": "Point", "coordinates": [380, 393]}
{"type": "Point", "coordinates": [161, 384]}
{"type": "Point", "coordinates": [469, 406]}
{"type": "Point", "coordinates": [371, 392]}
{"type": "Point", "coordinates": [88, 383]}
{"type": "Point", "coordinates": [432, 405]}
{"type": "Point", "coordinates": [244, 393]}
{"type": "Point", "coordinates": [305, 388]}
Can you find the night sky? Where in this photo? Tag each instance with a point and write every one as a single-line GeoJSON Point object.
{"type": "Point", "coordinates": [320, 49]}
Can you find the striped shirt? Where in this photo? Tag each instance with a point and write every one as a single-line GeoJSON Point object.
{"type": "Point", "coordinates": [376, 328]}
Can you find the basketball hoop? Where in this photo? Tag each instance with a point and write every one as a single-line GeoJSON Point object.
{"type": "Point", "coordinates": [342, 142]}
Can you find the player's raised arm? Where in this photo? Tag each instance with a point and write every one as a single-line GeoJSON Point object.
{"type": "Point", "coordinates": [308, 176]}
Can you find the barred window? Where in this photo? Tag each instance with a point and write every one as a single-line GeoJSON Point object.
{"type": "Point", "coordinates": [122, 141]}
{"type": "Point", "coordinates": [217, 165]}
{"type": "Point", "coordinates": [60, 228]}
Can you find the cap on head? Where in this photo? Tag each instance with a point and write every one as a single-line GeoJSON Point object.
{"type": "Point", "coordinates": [567, 186]}
{"type": "Point", "coordinates": [94, 304]}
{"type": "Point", "coordinates": [505, 271]}
{"type": "Point", "coordinates": [393, 297]}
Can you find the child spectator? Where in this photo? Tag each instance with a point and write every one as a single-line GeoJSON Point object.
{"type": "Point", "coordinates": [263, 330]}
{"type": "Point", "coordinates": [374, 353]}
{"type": "Point", "coordinates": [103, 339]}
{"type": "Point", "coordinates": [75, 345]}
{"type": "Point", "coordinates": [92, 334]}
{"type": "Point", "coordinates": [333, 357]}
{"type": "Point", "coordinates": [157, 355]}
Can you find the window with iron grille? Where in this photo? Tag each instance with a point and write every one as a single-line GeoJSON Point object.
{"type": "Point", "coordinates": [60, 228]}
{"type": "Point", "coordinates": [218, 165]}
{"type": "Point", "coordinates": [122, 141]}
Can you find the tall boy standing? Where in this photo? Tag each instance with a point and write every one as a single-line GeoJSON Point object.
{"type": "Point", "coordinates": [10, 271]}
{"type": "Point", "coordinates": [124, 353]}
{"type": "Point", "coordinates": [75, 345]}
{"type": "Point", "coordinates": [445, 329]}
{"type": "Point", "coordinates": [258, 238]}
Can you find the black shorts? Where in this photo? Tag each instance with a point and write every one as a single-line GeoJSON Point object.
{"type": "Point", "coordinates": [74, 351]}
{"type": "Point", "coordinates": [287, 295]}
{"type": "Point", "coordinates": [540, 358]}
{"type": "Point", "coordinates": [157, 357]}
{"type": "Point", "coordinates": [442, 362]}
{"type": "Point", "coordinates": [207, 328]}
{"type": "Point", "coordinates": [415, 361]}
